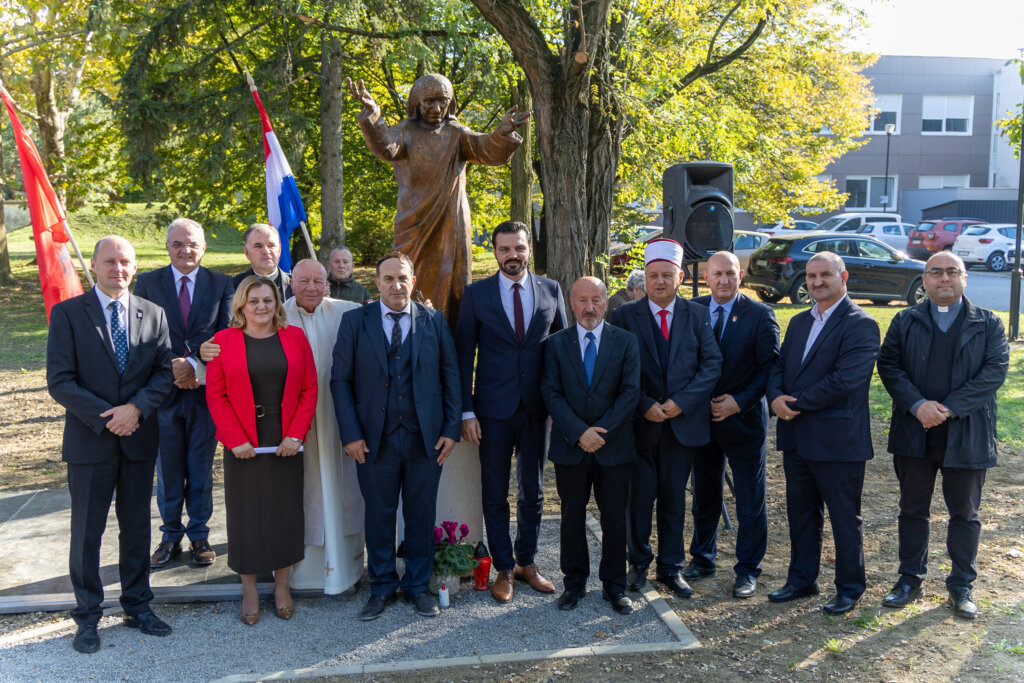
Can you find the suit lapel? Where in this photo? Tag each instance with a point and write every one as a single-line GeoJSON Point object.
{"type": "Point", "coordinates": [831, 324]}
{"type": "Point", "coordinates": [643, 313]}
{"type": "Point", "coordinates": [679, 319]}
{"type": "Point", "coordinates": [135, 323]}
{"type": "Point", "coordinates": [735, 316]}
{"type": "Point", "coordinates": [168, 287]}
{"type": "Point", "coordinates": [495, 293]}
{"type": "Point", "coordinates": [200, 295]}
{"type": "Point", "coordinates": [99, 321]}
{"type": "Point", "coordinates": [603, 352]}
{"type": "Point", "coordinates": [538, 292]}
{"type": "Point", "coordinates": [418, 318]}
{"type": "Point", "coordinates": [576, 354]}
{"type": "Point", "coordinates": [375, 329]}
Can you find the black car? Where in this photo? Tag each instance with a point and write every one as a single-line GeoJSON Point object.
{"type": "Point", "coordinates": [877, 271]}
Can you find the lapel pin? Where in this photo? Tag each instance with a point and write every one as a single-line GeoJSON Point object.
{"type": "Point", "coordinates": [138, 315]}
{"type": "Point", "coordinates": [733, 319]}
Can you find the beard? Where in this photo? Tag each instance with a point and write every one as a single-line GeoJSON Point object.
{"type": "Point", "coordinates": [512, 267]}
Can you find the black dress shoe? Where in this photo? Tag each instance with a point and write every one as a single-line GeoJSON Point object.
{"type": "Point", "coordinates": [695, 572]}
{"type": "Point", "coordinates": [841, 604]}
{"type": "Point", "coordinates": [164, 553]}
{"type": "Point", "coordinates": [425, 605]}
{"type": "Point", "coordinates": [675, 583]}
{"type": "Point", "coordinates": [569, 599]}
{"type": "Point", "coordinates": [901, 594]}
{"type": "Point", "coordinates": [148, 623]}
{"type": "Point", "coordinates": [620, 603]}
{"type": "Point", "coordinates": [745, 587]}
{"type": "Point", "coordinates": [202, 554]}
{"type": "Point", "coordinates": [963, 602]}
{"type": "Point", "coordinates": [789, 592]}
{"type": "Point", "coordinates": [87, 640]}
{"type": "Point", "coordinates": [636, 577]}
{"type": "Point", "coordinates": [375, 606]}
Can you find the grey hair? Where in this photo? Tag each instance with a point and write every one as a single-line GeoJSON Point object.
{"type": "Point", "coordinates": [258, 226]}
{"type": "Point", "coordinates": [833, 258]}
{"type": "Point", "coordinates": [182, 222]}
{"type": "Point", "coordinates": [636, 279]}
{"type": "Point", "coordinates": [340, 247]}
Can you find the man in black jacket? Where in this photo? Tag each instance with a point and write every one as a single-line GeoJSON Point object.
{"type": "Point", "coordinates": [591, 387]}
{"type": "Point", "coordinates": [942, 362]}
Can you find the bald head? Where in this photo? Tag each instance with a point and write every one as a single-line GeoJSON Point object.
{"type": "Point", "coordinates": [723, 275]}
{"type": "Point", "coordinates": [113, 263]}
{"type": "Point", "coordinates": [309, 283]}
{"type": "Point", "coordinates": [589, 302]}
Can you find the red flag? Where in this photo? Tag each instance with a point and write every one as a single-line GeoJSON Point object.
{"type": "Point", "coordinates": [57, 275]}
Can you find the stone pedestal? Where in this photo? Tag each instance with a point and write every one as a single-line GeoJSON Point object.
{"type": "Point", "coordinates": [458, 495]}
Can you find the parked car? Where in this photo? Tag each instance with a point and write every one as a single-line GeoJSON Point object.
{"type": "Point", "coordinates": [991, 244]}
{"type": "Point", "coordinates": [932, 236]}
{"type": "Point", "coordinates": [851, 221]}
{"type": "Point", "coordinates": [618, 250]}
{"type": "Point", "coordinates": [893, 234]}
{"type": "Point", "coordinates": [877, 271]}
{"type": "Point", "coordinates": [744, 244]}
{"type": "Point", "coordinates": [780, 226]}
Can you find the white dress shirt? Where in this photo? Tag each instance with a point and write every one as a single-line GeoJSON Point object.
{"type": "Point", "coordinates": [657, 318]}
{"type": "Point", "coordinates": [818, 325]}
{"type": "Point", "coordinates": [508, 302]}
{"type": "Point", "coordinates": [405, 322]}
{"type": "Point", "coordinates": [190, 284]}
{"type": "Point", "coordinates": [121, 309]}
{"type": "Point", "coordinates": [582, 332]}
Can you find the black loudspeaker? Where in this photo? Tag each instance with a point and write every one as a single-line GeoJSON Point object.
{"type": "Point", "coordinates": [697, 207]}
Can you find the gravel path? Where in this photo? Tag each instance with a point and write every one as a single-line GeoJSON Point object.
{"type": "Point", "coordinates": [209, 641]}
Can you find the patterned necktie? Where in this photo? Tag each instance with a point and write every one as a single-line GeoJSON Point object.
{"type": "Point", "coordinates": [184, 302]}
{"type": "Point", "coordinates": [396, 331]}
{"type": "Point", "coordinates": [118, 336]}
{"type": "Point", "coordinates": [517, 310]}
{"type": "Point", "coordinates": [589, 356]}
{"type": "Point", "coordinates": [664, 324]}
{"type": "Point", "coordinates": [719, 324]}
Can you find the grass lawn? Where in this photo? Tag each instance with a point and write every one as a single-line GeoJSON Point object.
{"type": "Point", "coordinates": [23, 322]}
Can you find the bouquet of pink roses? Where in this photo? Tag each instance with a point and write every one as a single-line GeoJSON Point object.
{"type": "Point", "coordinates": [452, 557]}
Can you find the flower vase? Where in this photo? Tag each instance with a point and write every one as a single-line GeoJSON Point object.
{"type": "Point", "coordinates": [452, 583]}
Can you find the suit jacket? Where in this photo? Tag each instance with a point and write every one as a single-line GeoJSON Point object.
{"type": "Point", "coordinates": [750, 346]}
{"type": "Point", "coordinates": [82, 376]}
{"type": "Point", "coordinates": [979, 369]}
{"type": "Point", "coordinates": [609, 402]}
{"type": "Point", "coordinates": [359, 377]}
{"type": "Point", "coordinates": [283, 282]}
{"type": "Point", "coordinates": [830, 385]}
{"type": "Point", "coordinates": [694, 366]}
{"type": "Point", "coordinates": [507, 372]}
{"type": "Point", "coordinates": [229, 390]}
{"type": "Point", "coordinates": [210, 312]}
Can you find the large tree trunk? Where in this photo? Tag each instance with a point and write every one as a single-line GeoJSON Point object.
{"type": "Point", "coordinates": [603, 149]}
{"type": "Point", "coordinates": [6, 276]}
{"type": "Point", "coordinates": [51, 130]}
{"type": "Point", "coordinates": [332, 167]}
{"type": "Point", "coordinates": [522, 163]}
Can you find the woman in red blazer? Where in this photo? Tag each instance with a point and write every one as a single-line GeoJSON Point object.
{"type": "Point", "coordinates": [262, 392]}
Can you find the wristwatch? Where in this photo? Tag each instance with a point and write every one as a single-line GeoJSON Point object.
{"type": "Point", "coordinates": [292, 438]}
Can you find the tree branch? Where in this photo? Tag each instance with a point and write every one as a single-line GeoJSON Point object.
{"type": "Point", "coordinates": [524, 37]}
{"type": "Point", "coordinates": [38, 41]}
{"type": "Point", "coordinates": [381, 35]}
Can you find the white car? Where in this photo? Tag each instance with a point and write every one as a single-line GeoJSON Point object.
{"type": "Point", "coordinates": [893, 234]}
{"type": "Point", "coordinates": [987, 244]}
{"type": "Point", "coordinates": [852, 221]}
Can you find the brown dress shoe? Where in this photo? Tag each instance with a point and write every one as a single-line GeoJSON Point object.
{"type": "Point", "coordinates": [164, 553]}
{"type": "Point", "coordinates": [531, 575]}
{"type": "Point", "coordinates": [202, 554]}
{"type": "Point", "coordinates": [502, 588]}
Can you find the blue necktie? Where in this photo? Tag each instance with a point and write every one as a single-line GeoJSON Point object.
{"type": "Point", "coordinates": [589, 356]}
{"type": "Point", "coordinates": [118, 336]}
{"type": "Point", "coordinates": [396, 331]}
{"type": "Point", "coordinates": [719, 324]}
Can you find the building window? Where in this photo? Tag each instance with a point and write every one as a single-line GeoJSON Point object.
{"type": "Point", "coordinates": [934, 182]}
{"type": "Point", "coordinates": [947, 114]}
{"type": "Point", "coordinates": [871, 193]}
{"type": "Point", "coordinates": [888, 107]}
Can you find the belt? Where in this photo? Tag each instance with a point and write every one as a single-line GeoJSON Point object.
{"type": "Point", "coordinates": [263, 411]}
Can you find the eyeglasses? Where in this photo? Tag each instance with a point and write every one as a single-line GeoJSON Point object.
{"type": "Point", "coordinates": [178, 246]}
{"type": "Point", "coordinates": [949, 272]}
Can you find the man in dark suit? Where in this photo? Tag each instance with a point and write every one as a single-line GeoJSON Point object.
{"type": "Point", "coordinates": [108, 362]}
{"type": "Point", "coordinates": [748, 336]}
{"type": "Point", "coordinates": [395, 383]}
{"type": "Point", "coordinates": [504, 323]}
{"type": "Point", "coordinates": [819, 390]}
{"type": "Point", "coordinates": [196, 303]}
{"type": "Point", "coordinates": [942, 362]}
{"type": "Point", "coordinates": [591, 388]}
{"type": "Point", "coordinates": [680, 363]}
{"type": "Point", "coordinates": [262, 246]}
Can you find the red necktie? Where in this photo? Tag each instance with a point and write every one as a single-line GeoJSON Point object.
{"type": "Point", "coordinates": [664, 324]}
{"type": "Point", "coordinates": [184, 302]}
{"type": "Point", "coordinates": [517, 310]}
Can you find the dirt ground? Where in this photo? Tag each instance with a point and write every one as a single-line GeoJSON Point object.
{"type": "Point", "coordinates": [741, 640]}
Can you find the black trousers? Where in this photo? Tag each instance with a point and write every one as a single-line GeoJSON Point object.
{"type": "Point", "coordinates": [499, 438]}
{"type": "Point", "coordinates": [92, 489]}
{"type": "Point", "coordinates": [747, 462]}
{"type": "Point", "coordinates": [810, 486]}
{"type": "Point", "coordinates": [611, 490]}
{"type": "Point", "coordinates": [659, 473]}
{"type": "Point", "coordinates": [961, 489]}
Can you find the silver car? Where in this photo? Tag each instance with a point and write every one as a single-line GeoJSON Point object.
{"type": "Point", "coordinates": [893, 234]}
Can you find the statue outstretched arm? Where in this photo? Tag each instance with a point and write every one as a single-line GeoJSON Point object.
{"type": "Point", "coordinates": [384, 143]}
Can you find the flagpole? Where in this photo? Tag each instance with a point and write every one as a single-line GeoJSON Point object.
{"type": "Point", "coordinates": [309, 241]}
{"type": "Point", "coordinates": [78, 253]}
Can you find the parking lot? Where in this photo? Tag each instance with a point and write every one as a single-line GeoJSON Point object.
{"type": "Point", "coordinates": [988, 289]}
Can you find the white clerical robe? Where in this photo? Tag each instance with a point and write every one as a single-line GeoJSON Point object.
{"type": "Point", "coordinates": [332, 501]}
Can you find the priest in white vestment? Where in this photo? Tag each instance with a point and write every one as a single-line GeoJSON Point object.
{"type": "Point", "coordinates": [333, 503]}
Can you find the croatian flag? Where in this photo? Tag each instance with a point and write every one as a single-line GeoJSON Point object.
{"type": "Point", "coordinates": [284, 206]}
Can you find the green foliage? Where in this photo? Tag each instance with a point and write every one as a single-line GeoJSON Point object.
{"type": "Point", "coordinates": [1012, 125]}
